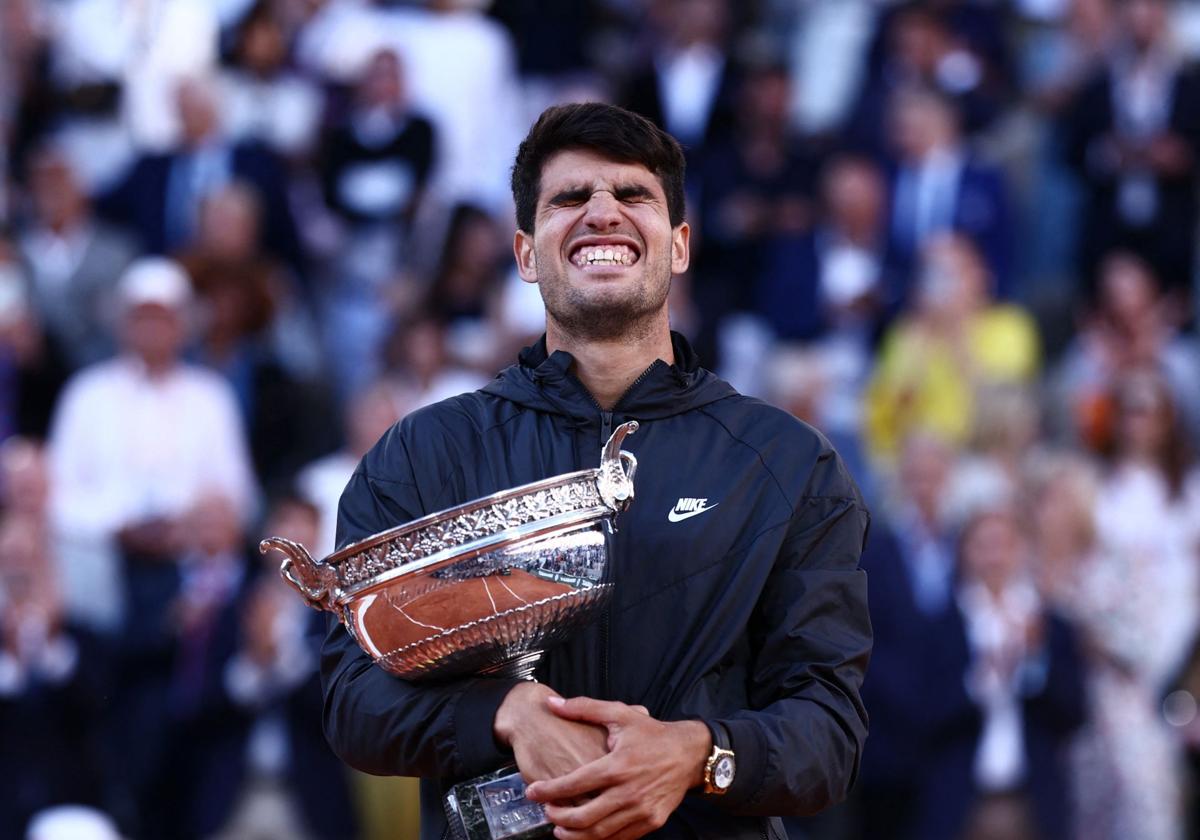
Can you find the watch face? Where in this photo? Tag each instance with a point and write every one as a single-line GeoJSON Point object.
{"type": "Point", "coordinates": [723, 772]}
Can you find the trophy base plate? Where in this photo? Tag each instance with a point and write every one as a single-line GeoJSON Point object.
{"type": "Point", "coordinates": [493, 807]}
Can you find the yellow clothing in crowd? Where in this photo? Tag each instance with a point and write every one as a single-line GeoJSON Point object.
{"type": "Point", "coordinates": [925, 381]}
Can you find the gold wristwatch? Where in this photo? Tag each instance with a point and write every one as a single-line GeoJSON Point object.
{"type": "Point", "coordinates": [721, 765]}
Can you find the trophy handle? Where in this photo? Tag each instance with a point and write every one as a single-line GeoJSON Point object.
{"type": "Point", "coordinates": [615, 480]}
{"type": "Point", "coordinates": [315, 581]}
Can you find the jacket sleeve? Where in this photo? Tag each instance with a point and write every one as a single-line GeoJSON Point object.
{"type": "Point", "coordinates": [379, 723]}
{"type": "Point", "coordinates": [799, 745]}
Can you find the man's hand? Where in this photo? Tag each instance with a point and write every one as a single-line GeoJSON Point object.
{"type": "Point", "coordinates": [633, 789]}
{"type": "Point", "coordinates": [545, 745]}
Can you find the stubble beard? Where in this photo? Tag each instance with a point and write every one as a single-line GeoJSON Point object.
{"type": "Point", "coordinates": [621, 314]}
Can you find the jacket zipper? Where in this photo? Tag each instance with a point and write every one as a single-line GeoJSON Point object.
{"type": "Point", "coordinates": [606, 424]}
{"type": "Point", "coordinates": [606, 421]}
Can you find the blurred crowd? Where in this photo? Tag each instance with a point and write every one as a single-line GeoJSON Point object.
{"type": "Point", "coordinates": [240, 238]}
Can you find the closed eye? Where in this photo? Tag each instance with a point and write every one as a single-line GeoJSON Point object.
{"type": "Point", "coordinates": [569, 198]}
{"type": "Point", "coordinates": [632, 193]}
{"type": "Point", "coordinates": [628, 194]}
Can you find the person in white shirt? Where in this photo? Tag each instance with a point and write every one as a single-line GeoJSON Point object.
{"type": "Point", "coordinates": [137, 441]}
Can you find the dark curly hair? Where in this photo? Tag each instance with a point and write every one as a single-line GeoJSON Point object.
{"type": "Point", "coordinates": [613, 132]}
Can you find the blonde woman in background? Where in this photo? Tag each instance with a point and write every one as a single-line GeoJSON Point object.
{"type": "Point", "coordinates": [1134, 593]}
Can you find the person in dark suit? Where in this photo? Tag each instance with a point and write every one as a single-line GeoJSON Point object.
{"type": "Point", "coordinates": [837, 273]}
{"type": "Point", "coordinates": [1002, 690]}
{"type": "Point", "coordinates": [754, 185]}
{"type": "Point", "coordinates": [179, 727]}
{"type": "Point", "coordinates": [956, 47]}
{"type": "Point", "coordinates": [909, 562]}
{"type": "Point", "coordinates": [376, 160]}
{"type": "Point", "coordinates": [1132, 135]}
{"type": "Point", "coordinates": [938, 186]}
{"type": "Point", "coordinates": [689, 88]}
{"type": "Point", "coordinates": [223, 683]}
{"type": "Point", "coordinates": [160, 197]}
{"type": "Point", "coordinates": [281, 778]}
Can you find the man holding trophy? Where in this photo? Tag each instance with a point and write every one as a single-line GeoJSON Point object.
{"type": "Point", "coordinates": [717, 689]}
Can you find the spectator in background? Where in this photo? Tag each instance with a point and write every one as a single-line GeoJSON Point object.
{"type": "Point", "coordinates": [1139, 608]}
{"type": "Point", "coordinates": [934, 360]}
{"type": "Point", "coordinates": [24, 42]}
{"type": "Point", "coordinates": [939, 186]}
{"type": "Point", "coordinates": [461, 66]}
{"type": "Point", "coordinates": [688, 85]}
{"type": "Point", "coordinates": [118, 66]}
{"type": "Point", "coordinates": [263, 99]}
{"type": "Point", "coordinates": [54, 675]}
{"type": "Point", "coordinates": [368, 415]}
{"type": "Point", "coordinates": [137, 441]}
{"type": "Point", "coordinates": [181, 735]}
{"type": "Point", "coordinates": [416, 358]}
{"type": "Point", "coordinates": [467, 291]}
{"type": "Point", "coordinates": [1004, 439]}
{"type": "Point", "coordinates": [1133, 325]}
{"type": "Point", "coordinates": [376, 160]}
{"type": "Point", "coordinates": [1005, 692]}
{"type": "Point", "coordinates": [1131, 135]}
{"type": "Point", "coordinates": [286, 781]}
{"type": "Point", "coordinates": [909, 558]}
{"type": "Point", "coordinates": [755, 183]}
{"type": "Point", "coordinates": [374, 164]}
{"type": "Point", "coordinates": [259, 336]}
{"type": "Point", "coordinates": [32, 369]}
{"type": "Point", "coordinates": [73, 260]}
{"type": "Point", "coordinates": [1060, 491]}
{"type": "Point", "coordinates": [1064, 48]}
{"type": "Point", "coordinates": [161, 195]}
{"type": "Point", "coordinates": [834, 277]}
{"type": "Point", "coordinates": [952, 48]}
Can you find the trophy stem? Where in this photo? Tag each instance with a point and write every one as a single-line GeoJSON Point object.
{"type": "Point", "coordinates": [518, 667]}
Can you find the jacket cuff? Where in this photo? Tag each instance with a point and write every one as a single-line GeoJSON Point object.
{"type": "Point", "coordinates": [750, 751]}
{"type": "Point", "coordinates": [474, 716]}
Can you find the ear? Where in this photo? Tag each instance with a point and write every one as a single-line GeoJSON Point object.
{"type": "Point", "coordinates": [526, 261]}
{"type": "Point", "coordinates": [680, 254]}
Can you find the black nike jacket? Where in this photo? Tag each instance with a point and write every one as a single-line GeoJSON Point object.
{"type": "Point", "coordinates": [751, 612]}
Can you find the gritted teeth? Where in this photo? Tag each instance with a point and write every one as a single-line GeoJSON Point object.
{"type": "Point", "coordinates": [604, 255]}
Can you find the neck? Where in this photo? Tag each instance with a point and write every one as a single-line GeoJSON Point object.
{"type": "Point", "coordinates": [607, 367]}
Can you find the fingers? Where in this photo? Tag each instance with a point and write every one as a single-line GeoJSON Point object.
{"type": "Point", "coordinates": [591, 814]}
{"type": "Point", "coordinates": [588, 710]}
{"type": "Point", "coordinates": [616, 815]}
{"type": "Point", "coordinates": [590, 778]}
{"type": "Point", "coordinates": [609, 827]}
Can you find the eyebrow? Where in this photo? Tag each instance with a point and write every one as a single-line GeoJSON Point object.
{"type": "Point", "coordinates": [582, 193]}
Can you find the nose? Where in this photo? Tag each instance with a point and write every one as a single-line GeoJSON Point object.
{"type": "Point", "coordinates": [603, 211]}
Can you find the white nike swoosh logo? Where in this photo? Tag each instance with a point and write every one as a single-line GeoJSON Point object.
{"type": "Point", "coordinates": [676, 516]}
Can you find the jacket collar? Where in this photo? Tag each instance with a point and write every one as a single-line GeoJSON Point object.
{"type": "Point", "coordinates": [546, 381]}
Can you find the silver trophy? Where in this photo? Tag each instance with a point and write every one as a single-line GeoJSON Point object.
{"type": "Point", "coordinates": [482, 588]}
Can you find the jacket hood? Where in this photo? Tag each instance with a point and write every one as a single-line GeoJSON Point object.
{"type": "Point", "coordinates": [547, 382]}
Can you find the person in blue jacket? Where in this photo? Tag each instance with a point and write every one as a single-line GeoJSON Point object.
{"type": "Point", "coordinates": [742, 626]}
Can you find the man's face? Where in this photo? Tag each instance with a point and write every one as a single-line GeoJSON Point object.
{"type": "Point", "coordinates": [154, 333]}
{"type": "Point", "coordinates": [603, 250]}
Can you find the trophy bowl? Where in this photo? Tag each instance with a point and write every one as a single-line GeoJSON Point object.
{"type": "Point", "coordinates": [481, 588]}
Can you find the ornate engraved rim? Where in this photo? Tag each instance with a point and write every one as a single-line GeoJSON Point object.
{"type": "Point", "coordinates": [362, 545]}
{"type": "Point", "coordinates": [562, 523]}
{"type": "Point", "coordinates": [467, 530]}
